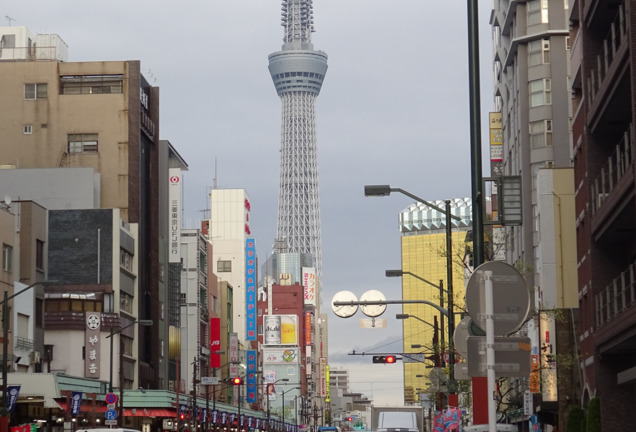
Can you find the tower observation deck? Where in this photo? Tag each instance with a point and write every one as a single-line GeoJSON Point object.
{"type": "Point", "coordinates": [298, 72]}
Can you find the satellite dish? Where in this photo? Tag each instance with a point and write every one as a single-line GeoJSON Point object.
{"type": "Point", "coordinates": [373, 310]}
{"type": "Point", "coordinates": [345, 311]}
{"type": "Point", "coordinates": [7, 199]}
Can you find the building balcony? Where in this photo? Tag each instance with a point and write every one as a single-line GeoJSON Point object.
{"type": "Point", "coordinates": [23, 343]}
{"type": "Point", "coordinates": [601, 78]}
{"type": "Point", "coordinates": [618, 165]}
{"type": "Point", "coordinates": [616, 297]}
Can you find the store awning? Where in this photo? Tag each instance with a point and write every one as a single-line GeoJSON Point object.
{"type": "Point", "coordinates": [150, 412]}
{"type": "Point", "coordinates": [85, 407]}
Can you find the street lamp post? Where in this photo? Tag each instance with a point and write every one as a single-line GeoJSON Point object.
{"type": "Point", "coordinates": [440, 287]}
{"type": "Point", "coordinates": [406, 316]}
{"type": "Point", "coordinates": [110, 380]}
{"type": "Point", "coordinates": [384, 190]}
{"type": "Point", "coordinates": [283, 403]}
{"type": "Point", "coordinates": [4, 414]}
{"type": "Point", "coordinates": [268, 393]}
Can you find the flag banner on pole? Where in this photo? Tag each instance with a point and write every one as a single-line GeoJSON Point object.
{"type": "Point", "coordinates": [438, 422]}
{"type": "Point", "coordinates": [76, 403]}
{"type": "Point", "coordinates": [452, 419]}
{"type": "Point", "coordinates": [12, 396]}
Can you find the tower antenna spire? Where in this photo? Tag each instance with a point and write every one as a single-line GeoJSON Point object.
{"type": "Point", "coordinates": [298, 72]}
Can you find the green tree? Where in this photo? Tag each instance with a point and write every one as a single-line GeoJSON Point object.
{"type": "Point", "coordinates": [593, 419]}
{"type": "Point", "coordinates": [575, 419]}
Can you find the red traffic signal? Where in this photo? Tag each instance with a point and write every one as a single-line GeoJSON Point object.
{"type": "Point", "coordinates": [349, 418]}
{"type": "Point", "coordinates": [384, 359]}
{"type": "Point", "coordinates": [237, 381]}
{"type": "Point", "coordinates": [181, 416]}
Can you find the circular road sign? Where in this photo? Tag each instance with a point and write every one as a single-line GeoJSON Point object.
{"type": "Point", "coordinates": [111, 398]}
{"type": "Point", "coordinates": [345, 311]}
{"type": "Point", "coordinates": [373, 310]}
{"type": "Point", "coordinates": [111, 414]}
{"type": "Point", "coordinates": [460, 337]}
{"type": "Point", "coordinates": [511, 298]}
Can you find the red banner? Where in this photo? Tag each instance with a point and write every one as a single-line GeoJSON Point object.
{"type": "Point", "coordinates": [215, 342]}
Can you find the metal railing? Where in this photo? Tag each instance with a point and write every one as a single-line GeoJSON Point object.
{"type": "Point", "coordinates": [604, 59]}
{"type": "Point", "coordinates": [617, 165]}
{"type": "Point", "coordinates": [616, 297]}
{"type": "Point", "coordinates": [23, 343]}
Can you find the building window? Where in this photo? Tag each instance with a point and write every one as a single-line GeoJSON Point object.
{"type": "Point", "coordinates": [539, 52]}
{"type": "Point", "coordinates": [82, 143]}
{"type": "Point", "coordinates": [541, 133]}
{"type": "Point", "coordinates": [7, 258]}
{"type": "Point", "coordinates": [39, 254]}
{"type": "Point", "coordinates": [91, 84]}
{"type": "Point", "coordinates": [540, 92]}
{"type": "Point", "coordinates": [28, 129]}
{"type": "Point", "coordinates": [126, 260]}
{"type": "Point", "coordinates": [125, 302]}
{"type": "Point", "coordinates": [7, 41]}
{"type": "Point", "coordinates": [537, 12]}
{"type": "Point", "coordinates": [224, 266]}
{"type": "Point", "coordinates": [72, 305]}
{"type": "Point", "coordinates": [35, 91]}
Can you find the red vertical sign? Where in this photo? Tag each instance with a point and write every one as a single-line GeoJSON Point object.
{"type": "Point", "coordinates": [215, 342]}
{"type": "Point", "coordinates": [307, 328]}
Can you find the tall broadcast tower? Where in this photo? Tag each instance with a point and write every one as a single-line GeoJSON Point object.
{"type": "Point", "coordinates": [298, 71]}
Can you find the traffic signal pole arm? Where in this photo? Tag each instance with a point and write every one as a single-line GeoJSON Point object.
{"type": "Point", "coordinates": [442, 310]}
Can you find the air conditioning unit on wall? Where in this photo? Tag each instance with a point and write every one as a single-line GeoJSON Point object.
{"type": "Point", "coordinates": [34, 357]}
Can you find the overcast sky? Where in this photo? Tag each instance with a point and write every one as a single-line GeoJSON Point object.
{"type": "Point", "coordinates": [393, 110]}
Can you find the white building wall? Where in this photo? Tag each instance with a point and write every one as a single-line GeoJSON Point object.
{"type": "Point", "coordinates": [229, 226]}
{"type": "Point", "coordinates": [190, 310]}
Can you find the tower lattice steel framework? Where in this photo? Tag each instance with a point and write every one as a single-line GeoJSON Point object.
{"type": "Point", "coordinates": [298, 72]}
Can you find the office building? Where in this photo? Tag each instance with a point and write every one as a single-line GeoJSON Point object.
{"type": "Point", "coordinates": [531, 45]}
{"type": "Point", "coordinates": [424, 268]}
{"type": "Point", "coordinates": [103, 116]}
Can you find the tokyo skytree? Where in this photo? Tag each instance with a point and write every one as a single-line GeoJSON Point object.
{"type": "Point", "coordinates": [298, 72]}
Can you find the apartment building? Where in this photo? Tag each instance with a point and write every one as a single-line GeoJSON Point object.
{"type": "Point", "coordinates": [603, 103]}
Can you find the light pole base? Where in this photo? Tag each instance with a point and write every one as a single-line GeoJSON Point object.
{"type": "Point", "coordinates": [4, 423]}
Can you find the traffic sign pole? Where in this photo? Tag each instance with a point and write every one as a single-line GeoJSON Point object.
{"type": "Point", "coordinates": [490, 352]}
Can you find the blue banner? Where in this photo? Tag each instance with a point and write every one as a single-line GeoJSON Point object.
{"type": "Point", "coordinates": [250, 382]}
{"type": "Point", "coordinates": [215, 416]}
{"type": "Point", "coordinates": [250, 290]}
{"type": "Point", "coordinates": [76, 403]}
{"type": "Point", "coordinates": [12, 396]}
{"type": "Point", "coordinates": [223, 417]}
{"type": "Point", "coordinates": [257, 423]}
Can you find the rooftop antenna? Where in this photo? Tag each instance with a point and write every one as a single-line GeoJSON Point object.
{"type": "Point", "coordinates": [8, 18]}
{"type": "Point", "coordinates": [215, 173]}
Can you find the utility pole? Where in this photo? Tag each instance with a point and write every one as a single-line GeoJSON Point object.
{"type": "Point", "coordinates": [207, 398]}
{"type": "Point", "coordinates": [194, 395]}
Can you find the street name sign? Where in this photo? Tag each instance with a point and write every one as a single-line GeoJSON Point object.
{"type": "Point", "coordinates": [512, 356]}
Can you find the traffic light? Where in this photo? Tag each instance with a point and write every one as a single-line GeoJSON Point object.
{"type": "Point", "coordinates": [384, 359]}
{"type": "Point", "coordinates": [181, 416]}
{"type": "Point", "coordinates": [237, 381]}
{"type": "Point", "coordinates": [349, 419]}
